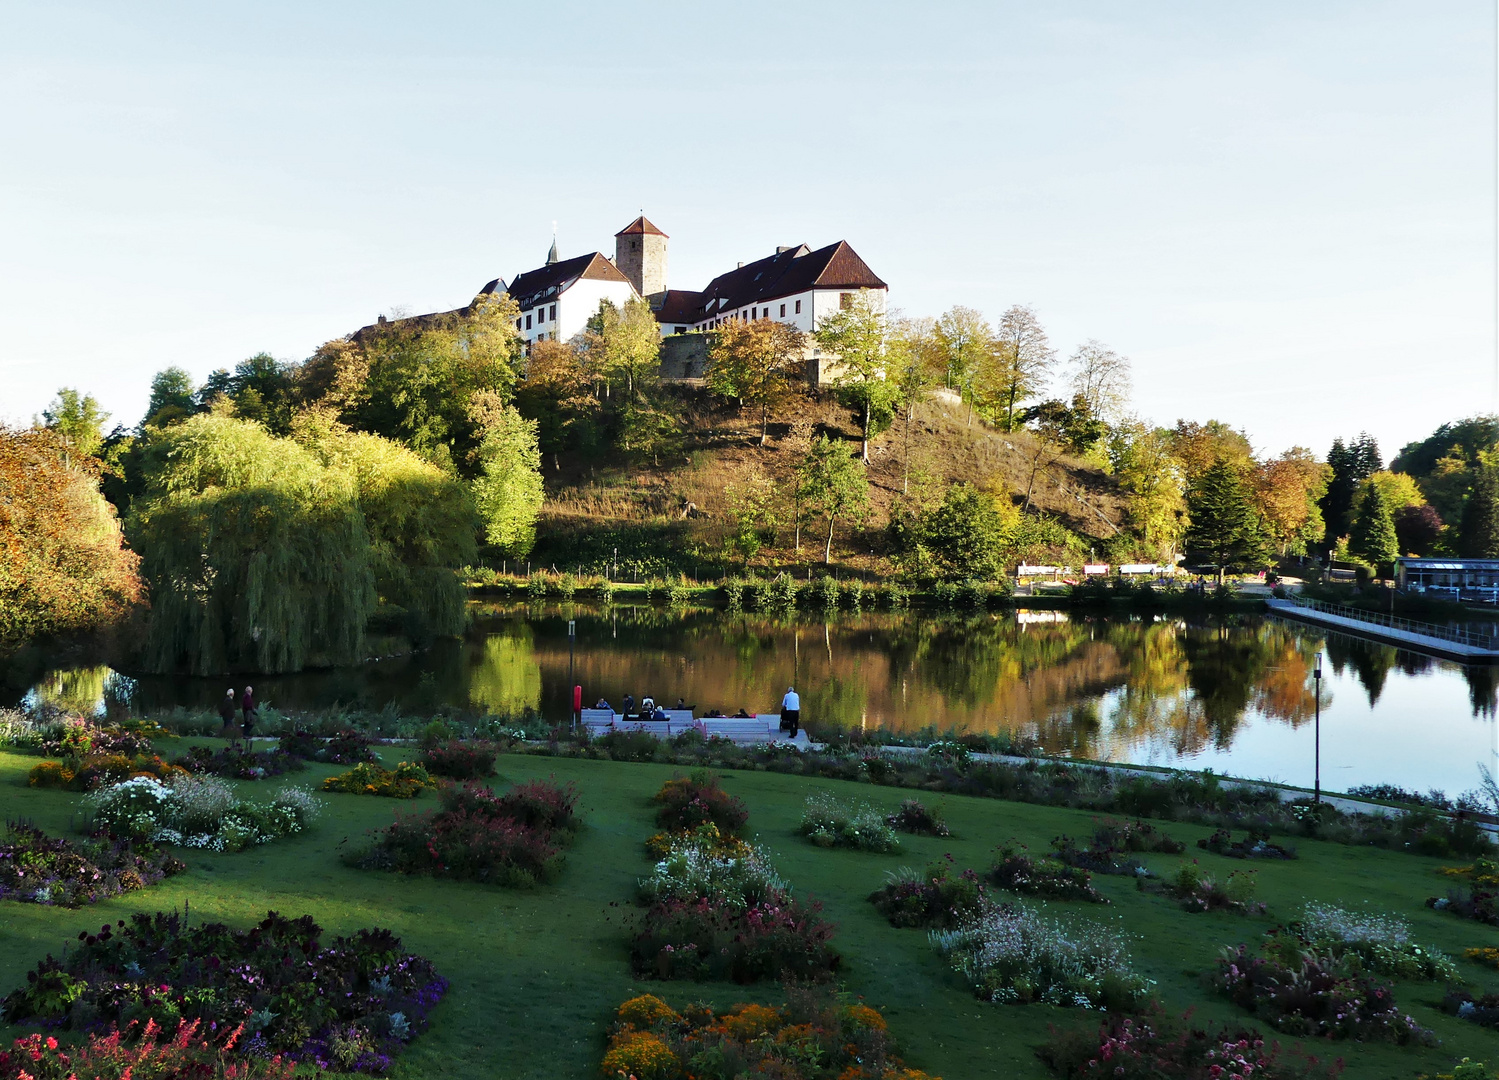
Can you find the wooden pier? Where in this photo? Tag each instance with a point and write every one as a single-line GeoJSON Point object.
{"type": "Point", "coordinates": [1432, 638]}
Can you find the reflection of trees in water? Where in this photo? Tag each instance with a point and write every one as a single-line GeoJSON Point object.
{"type": "Point", "coordinates": [1371, 662]}
{"type": "Point", "coordinates": [505, 678]}
{"type": "Point", "coordinates": [76, 690]}
{"type": "Point", "coordinates": [1483, 688]}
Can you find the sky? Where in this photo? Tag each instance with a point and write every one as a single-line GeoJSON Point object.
{"type": "Point", "coordinates": [1283, 213]}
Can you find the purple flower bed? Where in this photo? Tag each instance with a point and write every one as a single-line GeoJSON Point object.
{"type": "Point", "coordinates": [237, 763]}
{"type": "Point", "coordinates": [39, 869]}
{"type": "Point", "coordinates": [343, 748]}
{"type": "Point", "coordinates": [713, 939]}
{"type": "Point", "coordinates": [352, 1005]}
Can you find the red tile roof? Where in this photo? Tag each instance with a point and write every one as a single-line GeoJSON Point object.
{"type": "Point", "coordinates": [788, 271]}
{"type": "Point", "coordinates": [535, 286]}
{"type": "Point", "coordinates": [640, 225]}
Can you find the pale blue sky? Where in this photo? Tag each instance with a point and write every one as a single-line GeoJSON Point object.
{"type": "Point", "coordinates": [1283, 212]}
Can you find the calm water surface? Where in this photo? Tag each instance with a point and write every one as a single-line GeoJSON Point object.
{"type": "Point", "coordinates": [1233, 695]}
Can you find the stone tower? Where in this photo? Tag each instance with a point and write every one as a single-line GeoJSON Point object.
{"type": "Point", "coordinates": [640, 254]}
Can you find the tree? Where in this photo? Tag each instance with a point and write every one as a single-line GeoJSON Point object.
{"type": "Point", "coordinates": [753, 512]}
{"type": "Point", "coordinates": [1373, 534]}
{"type": "Point", "coordinates": [509, 492]}
{"type": "Point", "coordinates": [856, 335]}
{"type": "Point", "coordinates": [1225, 532]}
{"type": "Point", "coordinates": [1478, 537]}
{"type": "Point", "coordinates": [1351, 465]}
{"type": "Point", "coordinates": [760, 362]}
{"type": "Point", "coordinates": [970, 533]}
{"type": "Point", "coordinates": [64, 567]}
{"type": "Point", "coordinates": [1200, 446]}
{"type": "Point", "coordinates": [256, 555]}
{"type": "Point", "coordinates": [833, 486]}
{"type": "Point", "coordinates": [965, 341]}
{"type": "Point", "coordinates": [555, 394]}
{"type": "Point", "coordinates": [1287, 490]}
{"type": "Point", "coordinates": [1101, 377]}
{"type": "Point", "coordinates": [917, 362]}
{"type": "Point", "coordinates": [1418, 529]}
{"type": "Point", "coordinates": [78, 419]}
{"type": "Point", "coordinates": [1146, 467]}
{"type": "Point", "coordinates": [172, 398]}
{"type": "Point", "coordinates": [1022, 360]}
{"type": "Point", "coordinates": [336, 376]}
{"type": "Point", "coordinates": [261, 389]}
{"type": "Point", "coordinates": [624, 344]}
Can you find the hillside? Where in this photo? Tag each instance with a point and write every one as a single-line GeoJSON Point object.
{"type": "Point", "coordinates": [685, 502]}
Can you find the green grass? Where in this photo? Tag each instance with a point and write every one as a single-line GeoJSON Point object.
{"type": "Point", "coordinates": [536, 975]}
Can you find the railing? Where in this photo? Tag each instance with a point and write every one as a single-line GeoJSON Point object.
{"type": "Point", "coordinates": [1433, 630]}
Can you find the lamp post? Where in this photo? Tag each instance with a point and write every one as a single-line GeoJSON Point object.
{"type": "Point", "coordinates": [572, 636]}
{"type": "Point", "coordinates": [1317, 734]}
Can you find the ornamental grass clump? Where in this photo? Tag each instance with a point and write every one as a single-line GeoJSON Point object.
{"type": "Point", "coordinates": [459, 760]}
{"type": "Point", "coordinates": [1381, 942]}
{"type": "Point", "coordinates": [1018, 872]}
{"type": "Point", "coordinates": [814, 1035]}
{"type": "Point", "coordinates": [686, 803]}
{"type": "Point", "coordinates": [346, 747]}
{"type": "Point", "coordinates": [40, 869]}
{"type": "Point", "coordinates": [1013, 954]}
{"type": "Point", "coordinates": [914, 817]}
{"type": "Point", "coordinates": [198, 812]}
{"type": "Point", "coordinates": [406, 781]}
{"type": "Point", "coordinates": [936, 899]}
{"type": "Point", "coordinates": [513, 840]}
{"type": "Point", "coordinates": [1309, 993]}
{"type": "Point", "coordinates": [828, 821]}
{"type": "Point", "coordinates": [144, 1052]}
{"type": "Point", "coordinates": [351, 1005]}
{"type": "Point", "coordinates": [238, 763]}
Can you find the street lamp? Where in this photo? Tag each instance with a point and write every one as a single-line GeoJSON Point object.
{"type": "Point", "coordinates": [1317, 734]}
{"type": "Point", "coordinates": [572, 636]}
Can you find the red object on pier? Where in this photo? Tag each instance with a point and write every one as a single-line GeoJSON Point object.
{"type": "Point", "coordinates": [577, 699]}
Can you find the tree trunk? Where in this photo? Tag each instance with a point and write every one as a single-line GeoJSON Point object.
{"type": "Point", "coordinates": [866, 423]}
{"type": "Point", "coordinates": [1031, 484]}
{"type": "Point", "coordinates": [796, 513]}
{"type": "Point", "coordinates": [764, 423]}
{"type": "Point", "coordinates": [905, 487]}
{"type": "Point", "coordinates": [827, 553]}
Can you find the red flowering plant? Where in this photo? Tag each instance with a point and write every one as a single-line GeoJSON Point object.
{"type": "Point", "coordinates": [815, 1035]}
{"type": "Point", "coordinates": [349, 1005]}
{"type": "Point", "coordinates": [513, 839]}
{"type": "Point", "coordinates": [459, 760]}
{"type": "Point", "coordinates": [716, 939]}
{"type": "Point", "coordinates": [687, 802]}
{"type": "Point", "coordinates": [1155, 1046]}
{"type": "Point", "coordinates": [938, 898]}
{"type": "Point", "coordinates": [190, 1053]}
{"type": "Point", "coordinates": [41, 869]}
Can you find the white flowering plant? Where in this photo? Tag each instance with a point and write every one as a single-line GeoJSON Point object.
{"type": "Point", "coordinates": [199, 812]}
{"type": "Point", "coordinates": [1014, 954]}
{"type": "Point", "coordinates": [829, 822]}
{"type": "Point", "coordinates": [738, 874]}
{"type": "Point", "coordinates": [1380, 942]}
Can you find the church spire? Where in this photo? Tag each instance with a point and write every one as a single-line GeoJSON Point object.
{"type": "Point", "coordinates": [552, 255]}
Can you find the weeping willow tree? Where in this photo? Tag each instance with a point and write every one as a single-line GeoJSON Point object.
{"type": "Point", "coordinates": [256, 555]}
{"type": "Point", "coordinates": [420, 521]}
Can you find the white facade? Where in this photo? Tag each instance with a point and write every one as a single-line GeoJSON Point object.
{"type": "Point", "coordinates": [563, 314]}
{"type": "Point", "coordinates": [802, 310]}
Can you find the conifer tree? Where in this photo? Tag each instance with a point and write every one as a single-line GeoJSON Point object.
{"type": "Point", "coordinates": [1373, 534]}
{"type": "Point", "coordinates": [1225, 532]}
{"type": "Point", "coordinates": [1479, 532]}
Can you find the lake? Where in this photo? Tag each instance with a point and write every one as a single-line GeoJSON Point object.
{"type": "Point", "coordinates": [1234, 695]}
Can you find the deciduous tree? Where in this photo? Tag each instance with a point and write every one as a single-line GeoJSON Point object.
{"type": "Point", "coordinates": [78, 419]}
{"type": "Point", "coordinates": [760, 362]}
{"type": "Point", "coordinates": [1287, 490]}
{"type": "Point", "coordinates": [856, 336]}
{"type": "Point", "coordinates": [1022, 361]}
{"type": "Point", "coordinates": [1102, 378]}
{"type": "Point", "coordinates": [966, 344]}
{"type": "Point", "coordinates": [1200, 446]}
{"type": "Point", "coordinates": [1146, 467]}
{"type": "Point", "coordinates": [832, 485]}
{"type": "Point", "coordinates": [1478, 537]}
{"type": "Point", "coordinates": [918, 362]}
{"type": "Point", "coordinates": [509, 491]}
{"type": "Point", "coordinates": [172, 398]}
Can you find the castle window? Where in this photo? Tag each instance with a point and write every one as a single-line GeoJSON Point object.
{"type": "Point", "coordinates": [552, 315]}
{"type": "Point", "coordinates": [845, 301]}
{"type": "Point", "coordinates": [783, 311]}
{"type": "Point", "coordinates": [517, 323]}
{"type": "Point", "coordinates": [798, 307]}
{"type": "Point", "coordinates": [528, 322]}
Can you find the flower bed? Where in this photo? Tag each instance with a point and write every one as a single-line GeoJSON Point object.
{"type": "Point", "coordinates": [936, 899]}
{"type": "Point", "coordinates": [687, 802]}
{"type": "Point", "coordinates": [1478, 904]}
{"type": "Point", "coordinates": [99, 770]}
{"type": "Point", "coordinates": [1382, 943]}
{"type": "Point", "coordinates": [813, 1036]}
{"type": "Point", "coordinates": [714, 939]}
{"type": "Point", "coordinates": [513, 839]}
{"type": "Point", "coordinates": [1198, 891]}
{"type": "Point", "coordinates": [341, 748]}
{"type": "Point", "coordinates": [459, 760]}
{"type": "Point", "coordinates": [1018, 872]}
{"type": "Point", "coordinates": [199, 812]}
{"type": "Point", "coordinates": [1303, 993]}
{"type": "Point", "coordinates": [1486, 955]}
{"type": "Point", "coordinates": [1482, 1010]}
{"type": "Point", "coordinates": [40, 869]}
{"type": "Point", "coordinates": [78, 738]}
{"type": "Point", "coordinates": [1156, 1047]}
{"type": "Point", "coordinates": [406, 781]}
{"type": "Point", "coordinates": [351, 1005]}
{"type": "Point", "coordinates": [1015, 955]}
{"type": "Point", "coordinates": [1483, 873]}
{"type": "Point", "coordinates": [238, 763]}
{"type": "Point", "coordinates": [1255, 845]}
{"type": "Point", "coordinates": [829, 822]}
{"type": "Point", "coordinates": [192, 1051]}
{"type": "Point", "coordinates": [699, 865]}
{"type": "Point", "coordinates": [914, 817]}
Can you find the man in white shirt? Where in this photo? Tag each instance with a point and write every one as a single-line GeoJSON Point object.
{"type": "Point", "coordinates": [791, 712]}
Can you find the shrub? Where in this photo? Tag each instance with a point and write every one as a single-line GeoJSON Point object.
{"type": "Point", "coordinates": [913, 817]}
{"type": "Point", "coordinates": [814, 1034]}
{"type": "Point", "coordinates": [1015, 955]}
{"type": "Point", "coordinates": [688, 802]}
{"type": "Point", "coordinates": [936, 898]}
{"type": "Point", "coordinates": [350, 1005]}
{"type": "Point", "coordinates": [1381, 942]}
{"type": "Point", "coordinates": [406, 781]}
{"type": "Point", "coordinates": [713, 939]}
{"type": "Point", "coordinates": [341, 748]}
{"type": "Point", "coordinates": [696, 866]}
{"type": "Point", "coordinates": [1307, 994]}
{"type": "Point", "coordinates": [459, 760]}
{"type": "Point", "coordinates": [510, 840]}
{"type": "Point", "coordinates": [1135, 836]}
{"type": "Point", "coordinates": [238, 763]}
{"type": "Point", "coordinates": [1157, 1047]}
{"type": "Point", "coordinates": [1482, 1010]}
{"type": "Point", "coordinates": [39, 869]}
{"type": "Point", "coordinates": [1199, 891]}
{"type": "Point", "coordinates": [99, 770]}
{"type": "Point", "coordinates": [200, 812]}
{"type": "Point", "coordinates": [1481, 905]}
{"type": "Point", "coordinates": [1255, 845]}
{"type": "Point", "coordinates": [191, 1051]}
{"type": "Point", "coordinates": [829, 822]}
{"type": "Point", "coordinates": [1018, 872]}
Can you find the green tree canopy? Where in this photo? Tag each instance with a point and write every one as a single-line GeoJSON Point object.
{"type": "Point", "coordinates": [172, 398]}
{"type": "Point", "coordinates": [831, 484]}
{"type": "Point", "coordinates": [256, 554]}
{"type": "Point", "coordinates": [760, 362]}
{"type": "Point", "coordinates": [970, 533]}
{"type": "Point", "coordinates": [1478, 536]}
{"type": "Point", "coordinates": [77, 418]}
{"type": "Point", "coordinates": [1225, 532]}
{"type": "Point", "coordinates": [855, 335]}
{"type": "Point", "coordinates": [1373, 534]}
{"type": "Point", "coordinates": [1350, 465]}
{"type": "Point", "coordinates": [509, 491]}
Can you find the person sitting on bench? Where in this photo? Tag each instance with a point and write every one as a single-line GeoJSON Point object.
{"type": "Point", "coordinates": [742, 715]}
{"type": "Point", "coordinates": [658, 713]}
{"type": "Point", "coordinates": [681, 703]}
{"type": "Point", "coordinates": [603, 704]}
{"type": "Point", "coordinates": [712, 713]}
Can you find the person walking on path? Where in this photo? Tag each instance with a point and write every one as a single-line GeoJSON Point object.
{"type": "Point", "coordinates": [791, 712]}
{"type": "Point", "coordinates": [228, 710]}
{"type": "Point", "coordinates": [247, 705]}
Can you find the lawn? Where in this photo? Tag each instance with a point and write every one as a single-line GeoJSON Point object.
{"type": "Point", "coordinates": [536, 974]}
